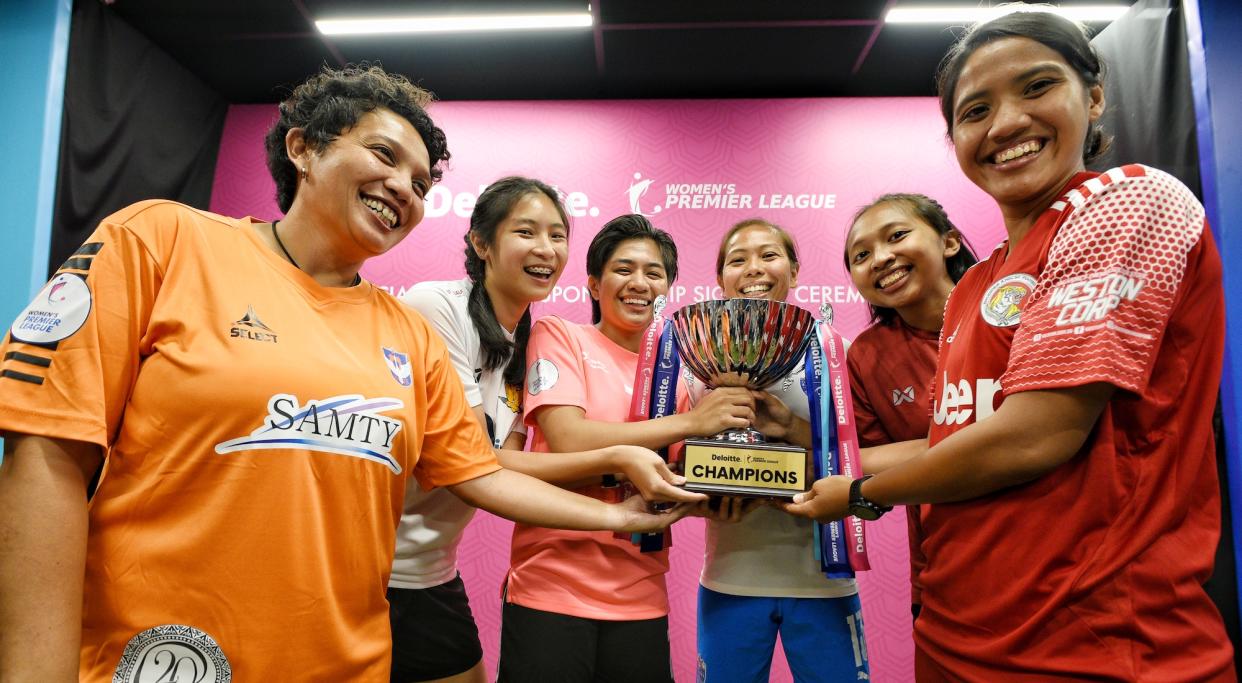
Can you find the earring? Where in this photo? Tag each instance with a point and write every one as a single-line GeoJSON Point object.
{"type": "Point", "coordinates": [303, 173]}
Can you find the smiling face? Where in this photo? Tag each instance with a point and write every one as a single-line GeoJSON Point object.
{"type": "Point", "coordinates": [1020, 119]}
{"type": "Point", "coordinates": [365, 189]}
{"type": "Point", "coordinates": [528, 253]}
{"type": "Point", "coordinates": [632, 277]}
{"type": "Point", "coordinates": [756, 265]}
{"type": "Point", "coordinates": [897, 261]}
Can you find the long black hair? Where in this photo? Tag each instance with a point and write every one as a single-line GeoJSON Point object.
{"type": "Point", "coordinates": [491, 209]}
{"type": "Point", "coordinates": [925, 210]}
{"type": "Point", "coordinates": [630, 226]}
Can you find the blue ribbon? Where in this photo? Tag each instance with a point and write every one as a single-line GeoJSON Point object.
{"type": "Point", "coordinates": [830, 542]}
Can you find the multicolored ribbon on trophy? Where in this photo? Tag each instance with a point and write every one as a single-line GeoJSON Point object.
{"type": "Point", "coordinates": [655, 396]}
{"type": "Point", "coordinates": [840, 546]}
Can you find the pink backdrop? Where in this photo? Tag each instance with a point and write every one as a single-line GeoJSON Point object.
{"type": "Point", "coordinates": [695, 167]}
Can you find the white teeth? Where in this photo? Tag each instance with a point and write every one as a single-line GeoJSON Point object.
{"type": "Point", "coordinates": [1028, 147]}
{"type": "Point", "coordinates": [636, 302]}
{"type": "Point", "coordinates": [389, 216]}
{"type": "Point", "coordinates": [892, 278]}
{"type": "Point", "coordinates": [539, 270]}
{"type": "Point", "coordinates": [753, 289]}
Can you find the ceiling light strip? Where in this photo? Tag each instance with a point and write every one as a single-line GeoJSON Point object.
{"type": "Point", "coordinates": [970, 15]}
{"type": "Point", "coordinates": [453, 24]}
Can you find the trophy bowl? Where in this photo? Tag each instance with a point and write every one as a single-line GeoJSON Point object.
{"type": "Point", "coordinates": [751, 343]}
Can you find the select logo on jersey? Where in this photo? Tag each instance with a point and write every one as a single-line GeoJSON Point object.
{"type": "Point", "coordinates": [1002, 303]}
{"type": "Point", "coordinates": [173, 653]}
{"type": "Point", "coordinates": [250, 327]}
{"type": "Point", "coordinates": [399, 366]}
{"type": "Point", "coordinates": [57, 312]}
{"type": "Point", "coordinates": [1091, 300]}
{"type": "Point", "coordinates": [959, 401]}
{"type": "Point", "coordinates": [345, 425]}
{"type": "Point", "coordinates": [542, 376]}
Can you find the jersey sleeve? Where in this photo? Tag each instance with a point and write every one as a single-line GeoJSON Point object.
{"type": "Point", "coordinates": [1100, 306]}
{"type": "Point", "coordinates": [454, 448]}
{"type": "Point", "coordinates": [72, 356]}
{"type": "Point", "coordinates": [554, 372]}
{"type": "Point", "coordinates": [434, 305]}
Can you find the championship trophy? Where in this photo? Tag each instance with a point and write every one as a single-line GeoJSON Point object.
{"type": "Point", "coordinates": [743, 343]}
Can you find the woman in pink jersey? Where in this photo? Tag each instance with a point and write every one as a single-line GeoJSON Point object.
{"type": "Point", "coordinates": [589, 606]}
{"type": "Point", "coordinates": [257, 409]}
{"type": "Point", "coordinates": [1070, 502]}
{"type": "Point", "coordinates": [904, 255]}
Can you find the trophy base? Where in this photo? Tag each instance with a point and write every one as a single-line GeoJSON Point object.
{"type": "Point", "coordinates": [753, 470]}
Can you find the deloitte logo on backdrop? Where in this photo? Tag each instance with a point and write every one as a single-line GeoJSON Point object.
{"type": "Point", "coordinates": [441, 201]}
{"type": "Point", "coordinates": [699, 196]}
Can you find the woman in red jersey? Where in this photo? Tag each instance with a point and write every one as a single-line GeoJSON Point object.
{"type": "Point", "coordinates": [1072, 506]}
{"type": "Point", "coordinates": [257, 409]}
{"type": "Point", "coordinates": [904, 255]}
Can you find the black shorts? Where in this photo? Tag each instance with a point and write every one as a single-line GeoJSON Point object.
{"type": "Point", "coordinates": [433, 632]}
{"type": "Point", "coordinates": [546, 647]}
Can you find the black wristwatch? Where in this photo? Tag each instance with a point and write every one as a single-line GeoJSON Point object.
{"type": "Point", "coordinates": [862, 508]}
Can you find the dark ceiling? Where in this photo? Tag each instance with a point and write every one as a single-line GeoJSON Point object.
{"type": "Point", "coordinates": [252, 50]}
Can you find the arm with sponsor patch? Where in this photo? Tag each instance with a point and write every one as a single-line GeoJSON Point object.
{"type": "Point", "coordinates": [1101, 305]}
{"type": "Point", "coordinates": [560, 410]}
{"type": "Point", "coordinates": [70, 360]}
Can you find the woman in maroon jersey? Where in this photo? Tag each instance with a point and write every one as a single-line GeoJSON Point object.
{"type": "Point", "coordinates": [904, 255]}
{"type": "Point", "coordinates": [1069, 479]}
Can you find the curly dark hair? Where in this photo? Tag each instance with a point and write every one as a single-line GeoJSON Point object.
{"type": "Point", "coordinates": [332, 101]}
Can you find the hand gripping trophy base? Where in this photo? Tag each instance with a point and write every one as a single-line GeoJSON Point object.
{"type": "Point", "coordinates": [747, 343]}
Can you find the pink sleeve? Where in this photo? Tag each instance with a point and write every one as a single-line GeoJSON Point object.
{"type": "Point", "coordinates": [554, 373]}
{"type": "Point", "coordinates": [1100, 307]}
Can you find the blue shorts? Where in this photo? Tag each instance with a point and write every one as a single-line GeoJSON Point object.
{"type": "Point", "coordinates": [822, 638]}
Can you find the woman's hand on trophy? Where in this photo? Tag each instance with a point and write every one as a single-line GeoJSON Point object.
{"type": "Point", "coordinates": [635, 515]}
{"type": "Point", "coordinates": [827, 501]}
{"type": "Point", "coordinates": [772, 417]}
{"type": "Point", "coordinates": [726, 508]}
{"type": "Point", "coordinates": [723, 408]}
{"type": "Point", "coordinates": [650, 475]}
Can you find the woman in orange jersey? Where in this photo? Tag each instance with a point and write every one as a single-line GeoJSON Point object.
{"type": "Point", "coordinates": [257, 409]}
{"type": "Point", "coordinates": [1071, 504]}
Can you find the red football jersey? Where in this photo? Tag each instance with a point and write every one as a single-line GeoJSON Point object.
{"type": "Point", "coordinates": [891, 367]}
{"type": "Point", "coordinates": [1094, 570]}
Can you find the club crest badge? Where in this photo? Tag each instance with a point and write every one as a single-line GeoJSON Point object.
{"type": "Point", "coordinates": [399, 365]}
{"type": "Point", "coordinates": [1002, 304]}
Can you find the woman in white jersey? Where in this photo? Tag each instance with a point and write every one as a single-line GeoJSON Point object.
{"type": "Point", "coordinates": [516, 248]}
{"type": "Point", "coordinates": [760, 576]}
